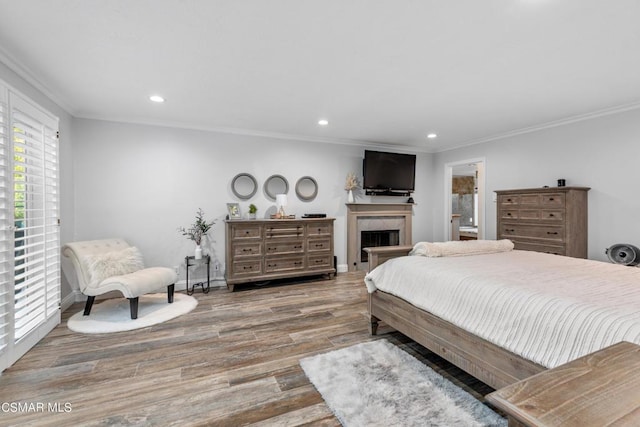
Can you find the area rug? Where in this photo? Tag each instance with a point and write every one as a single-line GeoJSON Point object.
{"type": "Point", "coordinates": [378, 384]}
{"type": "Point", "coordinates": [114, 315]}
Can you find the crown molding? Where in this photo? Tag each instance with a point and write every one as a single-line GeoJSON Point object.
{"type": "Point", "coordinates": [25, 74]}
{"type": "Point", "coordinates": [548, 125]}
{"type": "Point", "coordinates": [259, 133]}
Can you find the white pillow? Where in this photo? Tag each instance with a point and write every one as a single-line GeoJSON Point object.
{"type": "Point", "coordinates": [115, 263]}
{"type": "Point", "coordinates": [461, 247]}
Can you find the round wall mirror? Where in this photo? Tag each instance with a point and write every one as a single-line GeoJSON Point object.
{"type": "Point", "coordinates": [276, 184]}
{"type": "Point", "coordinates": [306, 188]}
{"type": "Point", "coordinates": [244, 186]}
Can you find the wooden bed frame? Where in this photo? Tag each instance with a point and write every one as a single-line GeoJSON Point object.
{"type": "Point", "coordinates": [487, 362]}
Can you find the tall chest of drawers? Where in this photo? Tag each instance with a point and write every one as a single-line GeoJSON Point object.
{"type": "Point", "coordinates": [552, 220]}
{"type": "Point", "coordinates": [258, 250]}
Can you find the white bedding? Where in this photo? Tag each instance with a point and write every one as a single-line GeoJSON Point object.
{"type": "Point", "coordinates": [549, 309]}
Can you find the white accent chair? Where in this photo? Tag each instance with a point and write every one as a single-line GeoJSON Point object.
{"type": "Point", "coordinates": [113, 265]}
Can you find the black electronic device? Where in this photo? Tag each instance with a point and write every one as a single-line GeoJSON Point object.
{"type": "Point", "coordinates": [314, 215]}
{"type": "Point", "coordinates": [389, 174]}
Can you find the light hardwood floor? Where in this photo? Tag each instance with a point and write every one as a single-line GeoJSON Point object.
{"type": "Point", "coordinates": [232, 361]}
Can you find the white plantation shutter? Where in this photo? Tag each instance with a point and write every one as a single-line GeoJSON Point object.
{"type": "Point", "coordinates": [6, 245]}
{"type": "Point", "coordinates": [30, 183]}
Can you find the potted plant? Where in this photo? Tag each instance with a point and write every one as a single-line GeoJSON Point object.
{"type": "Point", "coordinates": [252, 211]}
{"type": "Point", "coordinates": [197, 230]}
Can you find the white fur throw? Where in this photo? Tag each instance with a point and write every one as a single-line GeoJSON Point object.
{"type": "Point", "coordinates": [461, 248]}
{"type": "Point", "coordinates": [115, 263]}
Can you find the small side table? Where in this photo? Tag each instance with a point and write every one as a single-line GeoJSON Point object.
{"type": "Point", "coordinates": [191, 261]}
{"type": "Point", "coordinates": [601, 388]}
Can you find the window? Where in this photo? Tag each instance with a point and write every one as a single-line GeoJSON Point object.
{"type": "Point", "coordinates": [30, 248]}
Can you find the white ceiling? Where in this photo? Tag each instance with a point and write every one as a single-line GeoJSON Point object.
{"type": "Point", "coordinates": [381, 71]}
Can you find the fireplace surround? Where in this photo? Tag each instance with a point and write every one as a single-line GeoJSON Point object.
{"type": "Point", "coordinates": [375, 217]}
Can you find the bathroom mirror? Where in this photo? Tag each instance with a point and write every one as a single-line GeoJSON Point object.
{"type": "Point", "coordinates": [244, 186]}
{"type": "Point", "coordinates": [306, 188]}
{"type": "Point", "coordinates": [276, 184]}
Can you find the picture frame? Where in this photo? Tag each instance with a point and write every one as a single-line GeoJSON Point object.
{"type": "Point", "coordinates": [234, 210]}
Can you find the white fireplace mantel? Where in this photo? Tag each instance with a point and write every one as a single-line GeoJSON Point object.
{"type": "Point", "coordinates": [370, 212]}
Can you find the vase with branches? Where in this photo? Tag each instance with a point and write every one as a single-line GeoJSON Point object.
{"type": "Point", "coordinates": [351, 184]}
{"type": "Point", "coordinates": [197, 231]}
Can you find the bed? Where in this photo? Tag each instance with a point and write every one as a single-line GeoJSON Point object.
{"type": "Point", "coordinates": [481, 311]}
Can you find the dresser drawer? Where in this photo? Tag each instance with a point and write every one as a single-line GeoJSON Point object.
{"type": "Point", "coordinates": [509, 200]}
{"type": "Point", "coordinates": [552, 200]}
{"type": "Point", "coordinates": [246, 268]}
{"type": "Point", "coordinates": [549, 232]}
{"type": "Point", "coordinates": [318, 245]}
{"type": "Point", "coordinates": [245, 232]}
{"type": "Point", "coordinates": [273, 265]}
{"type": "Point", "coordinates": [283, 247]}
{"type": "Point", "coordinates": [247, 249]}
{"type": "Point", "coordinates": [320, 261]}
{"type": "Point", "coordinates": [283, 231]}
{"type": "Point", "coordinates": [552, 215]}
{"type": "Point", "coordinates": [530, 246]}
{"type": "Point", "coordinates": [319, 229]}
{"type": "Point", "coordinates": [509, 213]}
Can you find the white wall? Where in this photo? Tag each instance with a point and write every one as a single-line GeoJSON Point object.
{"type": "Point", "coordinates": [601, 153]}
{"type": "Point", "coordinates": [65, 154]}
{"type": "Point", "coordinates": [142, 182]}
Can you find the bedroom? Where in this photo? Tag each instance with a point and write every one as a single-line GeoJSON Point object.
{"type": "Point", "coordinates": [171, 169]}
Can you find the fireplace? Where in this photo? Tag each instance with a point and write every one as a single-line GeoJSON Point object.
{"type": "Point", "coordinates": [375, 224]}
{"type": "Point", "coordinates": [374, 238]}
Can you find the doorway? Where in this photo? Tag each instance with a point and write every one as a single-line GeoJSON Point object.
{"type": "Point", "coordinates": [464, 213]}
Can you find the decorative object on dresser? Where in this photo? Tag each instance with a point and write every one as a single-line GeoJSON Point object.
{"type": "Point", "coordinates": [552, 220]}
{"type": "Point", "coordinates": [253, 209]}
{"type": "Point", "coordinates": [266, 249]}
{"type": "Point", "coordinates": [197, 231]}
{"type": "Point", "coordinates": [281, 203]}
{"type": "Point", "coordinates": [233, 210]}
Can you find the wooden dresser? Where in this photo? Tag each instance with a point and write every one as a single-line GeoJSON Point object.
{"type": "Point", "coordinates": [552, 220]}
{"type": "Point", "coordinates": [265, 249]}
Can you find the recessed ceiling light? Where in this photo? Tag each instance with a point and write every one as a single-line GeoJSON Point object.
{"type": "Point", "coordinates": [432, 136]}
{"type": "Point", "coordinates": [156, 98]}
{"type": "Point", "coordinates": [323, 122]}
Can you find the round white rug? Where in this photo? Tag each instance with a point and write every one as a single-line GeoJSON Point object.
{"type": "Point", "coordinates": [114, 315]}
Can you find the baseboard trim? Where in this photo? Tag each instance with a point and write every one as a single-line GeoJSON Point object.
{"type": "Point", "coordinates": [342, 268]}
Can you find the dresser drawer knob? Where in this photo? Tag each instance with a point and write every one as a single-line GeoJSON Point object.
{"type": "Point", "coordinates": [318, 261]}
{"type": "Point", "coordinates": [247, 250]}
{"type": "Point", "coordinates": [319, 245]}
{"type": "Point", "coordinates": [551, 199]}
{"type": "Point", "coordinates": [273, 265]}
{"type": "Point", "coordinates": [247, 267]}
{"type": "Point", "coordinates": [508, 213]}
{"type": "Point", "coordinates": [551, 215]}
{"type": "Point", "coordinates": [552, 232]}
{"type": "Point", "coordinates": [509, 230]}
{"type": "Point", "coordinates": [508, 200]}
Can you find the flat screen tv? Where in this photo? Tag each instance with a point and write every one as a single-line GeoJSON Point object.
{"type": "Point", "coordinates": [389, 173]}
